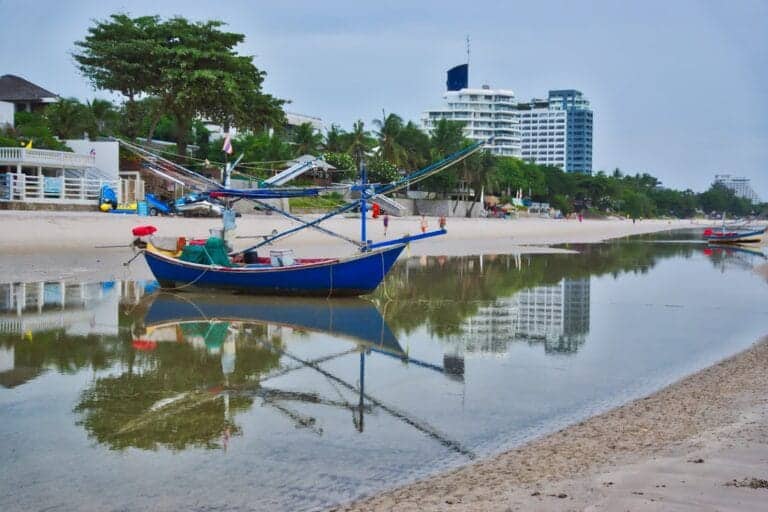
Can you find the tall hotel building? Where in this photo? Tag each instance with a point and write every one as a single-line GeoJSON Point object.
{"type": "Point", "coordinates": [740, 186]}
{"type": "Point", "coordinates": [558, 131]}
{"type": "Point", "coordinates": [486, 113]}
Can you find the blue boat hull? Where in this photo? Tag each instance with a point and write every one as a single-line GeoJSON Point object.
{"type": "Point", "coordinates": [353, 276]}
{"type": "Point", "coordinates": [355, 319]}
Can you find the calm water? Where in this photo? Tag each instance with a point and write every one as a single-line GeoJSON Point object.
{"type": "Point", "coordinates": [116, 397]}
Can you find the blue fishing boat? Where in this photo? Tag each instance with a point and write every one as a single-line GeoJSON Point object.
{"type": "Point", "coordinates": [326, 277]}
{"type": "Point", "coordinates": [207, 264]}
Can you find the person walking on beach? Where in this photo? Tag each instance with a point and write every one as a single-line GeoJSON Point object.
{"type": "Point", "coordinates": [581, 216]}
{"type": "Point", "coordinates": [423, 224]}
{"type": "Point", "coordinates": [385, 220]}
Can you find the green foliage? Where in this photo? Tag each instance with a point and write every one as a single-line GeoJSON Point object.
{"type": "Point", "coordinates": [720, 199]}
{"type": "Point", "coordinates": [333, 142]}
{"type": "Point", "coordinates": [34, 127]}
{"type": "Point", "coordinates": [343, 162]}
{"type": "Point", "coordinates": [380, 170]}
{"type": "Point", "coordinates": [416, 145]}
{"type": "Point", "coordinates": [325, 202]}
{"type": "Point", "coordinates": [447, 138]}
{"type": "Point", "coordinates": [190, 67]}
{"type": "Point", "coordinates": [562, 203]}
{"type": "Point", "coordinates": [70, 119]}
{"type": "Point", "coordinates": [358, 142]}
{"type": "Point", "coordinates": [307, 140]}
{"type": "Point", "coordinates": [390, 149]}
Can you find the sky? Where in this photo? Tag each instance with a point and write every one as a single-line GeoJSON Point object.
{"type": "Point", "coordinates": [679, 89]}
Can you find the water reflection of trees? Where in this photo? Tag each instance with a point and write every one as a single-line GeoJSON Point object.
{"type": "Point", "coordinates": [442, 292]}
{"type": "Point", "coordinates": [172, 396]}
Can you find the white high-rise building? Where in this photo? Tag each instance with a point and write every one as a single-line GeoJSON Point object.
{"type": "Point", "coordinates": [740, 186]}
{"type": "Point", "coordinates": [543, 133]}
{"type": "Point", "coordinates": [558, 131]}
{"type": "Point", "coordinates": [487, 114]}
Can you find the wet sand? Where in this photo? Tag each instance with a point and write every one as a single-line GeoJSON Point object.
{"type": "Point", "coordinates": [699, 444]}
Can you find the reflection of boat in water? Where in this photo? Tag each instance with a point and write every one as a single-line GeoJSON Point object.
{"type": "Point", "coordinates": [184, 396]}
{"type": "Point", "coordinates": [356, 319]}
{"type": "Point", "coordinates": [738, 255]}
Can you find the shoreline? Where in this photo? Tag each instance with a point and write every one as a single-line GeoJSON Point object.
{"type": "Point", "coordinates": [62, 245]}
{"type": "Point", "coordinates": [700, 443]}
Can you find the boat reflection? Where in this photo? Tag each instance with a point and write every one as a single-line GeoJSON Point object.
{"type": "Point", "coordinates": [197, 361]}
{"type": "Point", "coordinates": [745, 257]}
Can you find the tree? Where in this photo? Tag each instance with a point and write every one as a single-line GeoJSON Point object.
{"type": "Point", "coordinates": [344, 164]}
{"type": "Point", "coordinates": [416, 145]}
{"type": "Point", "coordinates": [359, 142]}
{"type": "Point", "coordinates": [104, 115]}
{"type": "Point", "coordinates": [190, 67]}
{"type": "Point", "coordinates": [307, 139]}
{"type": "Point", "coordinates": [447, 138]}
{"type": "Point", "coordinates": [380, 170]}
{"type": "Point", "coordinates": [30, 126]}
{"type": "Point", "coordinates": [118, 55]}
{"type": "Point", "coordinates": [389, 129]}
{"type": "Point", "coordinates": [70, 119]}
{"type": "Point", "coordinates": [333, 140]}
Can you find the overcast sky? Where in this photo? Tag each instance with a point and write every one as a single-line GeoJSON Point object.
{"type": "Point", "coordinates": [679, 88]}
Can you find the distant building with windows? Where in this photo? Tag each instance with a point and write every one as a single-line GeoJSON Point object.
{"type": "Point", "coordinates": [488, 115]}
{"type": "Point", "coordinates": [741, 186]}
{"type": "Point", "coordinates": [558, 131]}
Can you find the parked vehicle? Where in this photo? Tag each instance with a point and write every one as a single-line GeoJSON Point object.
{"type": "Point", "coordinates": [199, 205]}
{"type": "Point", "coordinates": [157, 207]}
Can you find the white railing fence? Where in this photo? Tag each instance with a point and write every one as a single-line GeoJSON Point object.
{"type": "Point", "coordinates": [45, 189]}
{"type": "Point", "coordinates": [45, 157]}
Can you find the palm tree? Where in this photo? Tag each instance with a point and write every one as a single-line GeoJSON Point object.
{"type": "Point", "coordinates": [69, 118]}
{"type": "Point", "coordinates": [307, 139]}
{"type": "Point", "coordinates": [359, 142]}
{"type": "Point", "coordinates": [104, 114]}
{"type": "Point", "coordinates": [389, 148]}
{"type": "Point", "coordinates": [333, 140]}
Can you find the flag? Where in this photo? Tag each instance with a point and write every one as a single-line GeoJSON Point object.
{"type": "Point", "coordinates": [227, 148]}
{"type": "Point", "coordinates": [29, 144]}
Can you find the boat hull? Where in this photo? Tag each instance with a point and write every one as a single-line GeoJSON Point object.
{"type": "Point", "coordinates": [743, 237]}
{"type": "Point", "coordinates": [357, 275]}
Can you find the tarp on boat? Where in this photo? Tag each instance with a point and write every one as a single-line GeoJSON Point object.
{"type": "Point", "coordinates": [214, 252]}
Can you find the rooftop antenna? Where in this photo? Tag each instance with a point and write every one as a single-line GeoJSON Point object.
{"type": "Point", "coordinates": [468, 48]}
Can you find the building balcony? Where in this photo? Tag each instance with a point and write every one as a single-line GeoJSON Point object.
{"type": "Point", "coordinates": [45, 158]}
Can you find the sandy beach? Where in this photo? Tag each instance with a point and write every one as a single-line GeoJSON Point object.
{"type": "Point", "coordinates": [700, 444]}
{"type": "Point", "coordinates": [94, 245]}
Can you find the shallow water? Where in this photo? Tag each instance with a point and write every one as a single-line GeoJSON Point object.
{"type": "Point", "coordinates": [115, 397]}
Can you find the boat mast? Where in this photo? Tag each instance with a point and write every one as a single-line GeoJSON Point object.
{"type": "Point", "coordinates": [363, 183]}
